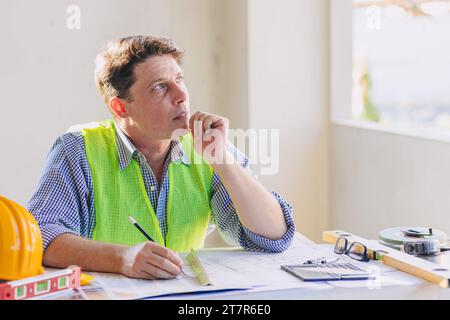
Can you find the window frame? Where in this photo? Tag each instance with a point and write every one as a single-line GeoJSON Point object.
{"type": "Point", "coordinates": [341, 68]}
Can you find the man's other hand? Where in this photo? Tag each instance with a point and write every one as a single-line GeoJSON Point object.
{"type": "Point", "coordinates": [210, 134]}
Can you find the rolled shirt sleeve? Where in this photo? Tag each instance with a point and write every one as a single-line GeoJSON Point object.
{"type": "Point", "coordinates": [60, 203]}
{"type": "Point", "coordinates": [230, 228]}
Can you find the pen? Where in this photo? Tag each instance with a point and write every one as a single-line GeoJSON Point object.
{"type": "Point", "coordinates": [134, 222]}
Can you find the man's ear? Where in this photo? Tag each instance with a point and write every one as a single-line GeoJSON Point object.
{"type": "Point", "coordinates": [118, 107]}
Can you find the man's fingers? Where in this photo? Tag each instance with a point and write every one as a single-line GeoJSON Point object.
{"type": "Point", "coordinates": [156, 273]}
{"type": "Point", "coordinates": [150, 260]}
{"type": "Point", "coordinates": [144, 275]}
{"type": "Point", "coordinates": [164, 264]}
{"type": "Point", "coordinates": [195, 117]}
{"type": "Point", "coordinates": [191, 121]}
{"type": "Point", "coordinates": [208, 121]}
{"type": "Point", "coordinates": [165, 253]}
{"type": "Point", "coordinates": [219, 122]}
{"type": "Point", "coordinates": [199, 117]}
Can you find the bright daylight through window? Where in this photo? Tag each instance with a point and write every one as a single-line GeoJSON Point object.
{"type": "Point", "coordinates": [401, 62]}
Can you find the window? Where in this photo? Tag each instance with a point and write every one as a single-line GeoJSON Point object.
{"type": "Point", "coordinates": [401, 62]}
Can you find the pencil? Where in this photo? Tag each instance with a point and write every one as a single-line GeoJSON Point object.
{"type": "Point", "coordinates": [134, 222]}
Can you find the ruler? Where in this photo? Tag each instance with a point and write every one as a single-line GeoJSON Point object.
{"type": "Point", "coordinates": [200, 272]}
{"type": "Point", "coordinates": [45, 284]}
{"type": "Point", "coordinates": [415, 266]}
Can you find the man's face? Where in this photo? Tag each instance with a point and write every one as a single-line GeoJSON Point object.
{"type": "Point", "coordinates": [160, 98]}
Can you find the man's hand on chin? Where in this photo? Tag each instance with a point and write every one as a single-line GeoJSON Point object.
{"type": "Point", "coordinates": [210, 134]}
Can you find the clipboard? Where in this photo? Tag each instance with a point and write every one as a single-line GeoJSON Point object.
{"type": "Point", "coordinates": [327, 272]}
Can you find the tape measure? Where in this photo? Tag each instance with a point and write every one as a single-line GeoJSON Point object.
{"type": "Point", "coordinates": [413, 240]}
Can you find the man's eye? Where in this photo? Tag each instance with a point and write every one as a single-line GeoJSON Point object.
{"type": "Point", "coordinates": [180, 79]}
{"type": "Point", "coordinates": [160, 86]}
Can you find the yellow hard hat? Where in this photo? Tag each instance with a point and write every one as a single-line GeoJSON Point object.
{"type": "Point", "coordinates": [20, 242]}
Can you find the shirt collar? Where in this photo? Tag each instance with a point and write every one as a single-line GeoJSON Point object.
{"type": "Point", "coordinates": [127, 151]}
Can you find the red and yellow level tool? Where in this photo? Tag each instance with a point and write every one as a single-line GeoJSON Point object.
{"type": "Point", "coordinates": [45, 284]}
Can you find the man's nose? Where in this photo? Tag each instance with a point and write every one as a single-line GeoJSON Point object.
{"type": "Point", "coordinates": [181, 94]}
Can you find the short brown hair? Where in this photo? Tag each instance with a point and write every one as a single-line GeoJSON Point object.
{"type": "Point", "coordinates": [114, 67]}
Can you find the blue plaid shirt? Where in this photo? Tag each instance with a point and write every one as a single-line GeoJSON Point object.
{"type": "Point", "coordinates": [64, 199]}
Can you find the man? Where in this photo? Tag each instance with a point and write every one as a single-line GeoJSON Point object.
{"type": "Point", "coordinates": [145, 163]}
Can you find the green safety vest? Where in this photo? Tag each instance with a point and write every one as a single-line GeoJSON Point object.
{"type": "Point", "coordinates": [121, 193]}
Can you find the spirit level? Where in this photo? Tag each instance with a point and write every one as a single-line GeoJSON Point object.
{"type": "Point", "coordinates": [41, 285]}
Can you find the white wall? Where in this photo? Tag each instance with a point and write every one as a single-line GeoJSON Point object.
{"type": "Point", "coordinates": [341, 58]}
{"type": "Point", "coordinates": [230, 39]}
{"type": "Point", "coordinates": [273, 74]}
{"type": "Point", "coordinates": [288, 90]}
{"type": "Point", "coordinates": [382, 180]}
{"type": "Point", "coordinates": [46, 82]}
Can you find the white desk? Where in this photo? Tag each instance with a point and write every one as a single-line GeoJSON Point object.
{"type": "Point", "coordinates": [394, 285]}
{"type": "Point", "coordinates": [423, 290]}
